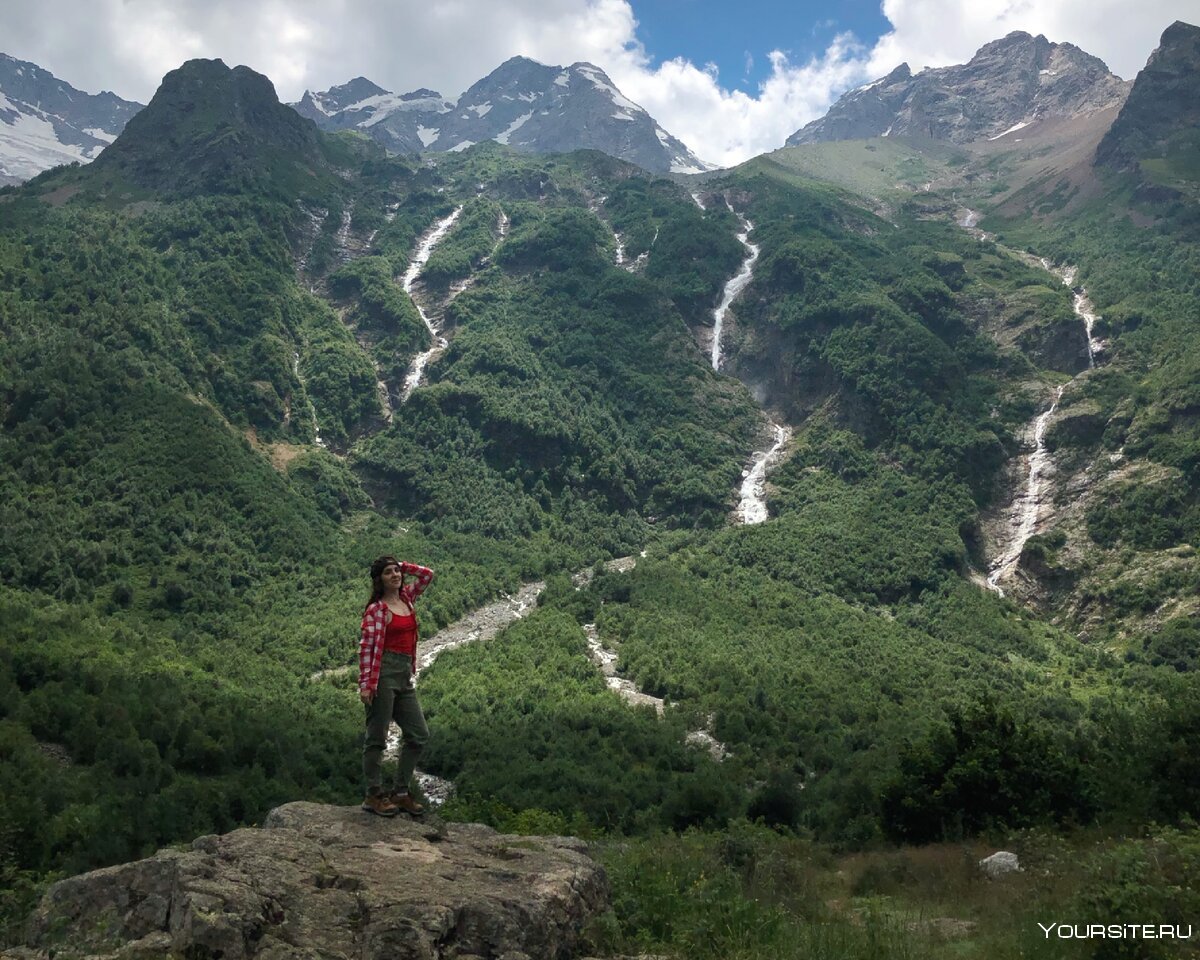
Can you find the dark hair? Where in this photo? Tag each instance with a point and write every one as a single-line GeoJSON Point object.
{"type": "Point", "coordinates": [377, 569]}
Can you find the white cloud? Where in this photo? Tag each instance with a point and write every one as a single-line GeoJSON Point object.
{"type": "Point", "coordinates": [939, 32]}
{"type": "Point", "coordinates": [728, 126]}
{"type": "Point", "coordinates": [127, 45]}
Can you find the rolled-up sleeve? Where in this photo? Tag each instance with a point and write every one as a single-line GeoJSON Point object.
{"type": "Point", "coordinates": [424, 577]}
{"type": "Point", "coordinates": [370, 648]}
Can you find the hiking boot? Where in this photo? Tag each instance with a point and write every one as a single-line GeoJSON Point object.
{"type": "Point", "coordinates": [381, 804]}
{"type": "Point", "coordinates": [404, 803]}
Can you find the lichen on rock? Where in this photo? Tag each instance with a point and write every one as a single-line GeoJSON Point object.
{"type": "Point", "coordinates": [319, 881]}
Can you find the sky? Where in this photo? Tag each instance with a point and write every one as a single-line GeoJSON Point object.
{"type": "Point", "coordinates": [730, 78]}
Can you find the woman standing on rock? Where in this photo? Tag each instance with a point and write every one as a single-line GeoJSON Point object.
{"type": "Point", "coordinates": [387, 663]}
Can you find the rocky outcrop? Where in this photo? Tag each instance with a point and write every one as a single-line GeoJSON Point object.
{"type": "Point", "coordinates": [1009, 84]}
{"type": "Point", "coordinates": [1163, 109]}
{"type": "Point", "coordinates": [1000, 864]}
{"type": "Point", "coordinates": [212, 129]}
{"type": "Point", "coordinates": [321, 882]}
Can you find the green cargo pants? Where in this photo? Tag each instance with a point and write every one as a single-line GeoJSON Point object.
{"type": "Point", "coordinates": [395, 699]}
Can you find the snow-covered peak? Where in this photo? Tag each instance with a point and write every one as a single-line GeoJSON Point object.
{"type": "Point", "coordinates": [600, 79]}
{"type": "Point", "coordinates": [45, 122]}
{"type": "Point", "coordinates": [523, 104]}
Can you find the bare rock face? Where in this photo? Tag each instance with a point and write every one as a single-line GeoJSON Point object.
{"type": "Point", "coordinates": [321, 882]}
{"type": "Point", "coordinates": [1009, 84]}
{"type": "Point", "coordinates": [1163, 110]}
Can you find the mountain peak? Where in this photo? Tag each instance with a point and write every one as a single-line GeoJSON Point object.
{"type": "Point", "coordinates": [1008, 84]}
{"type": "Point", "coordinates": [1178, 31]}
{"type": "Point", "coordinates": [523, 104]}
{"type": "Point", "coordinates": [1163, 110]}
{"type": "Point", "coordinates": [45, 122]}
{"type": "Point", "coordinates": [212, 128]}
{"type": "Point", "coordinates": [520, 60]}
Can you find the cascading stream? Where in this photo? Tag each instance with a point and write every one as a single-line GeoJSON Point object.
{"type": "Point", "coordinates": [1025, 513]}
{"type": "Point", "coordinates": [311, 408]}
{"type": "Point", "coordinates": [606, 661]}
{"type": "Point", "coordinates": [1082, 305]}
{"type": "Point", "coordinates": [1027, 507]}
{"type": "Point", "coordinates": [752, 507]}
{"type": "Point", "coordinates": [752, 504]}
{"type": "Point", "coordinates": [424, 248]}
{"type": "Point", "coordinates": [735, 286]}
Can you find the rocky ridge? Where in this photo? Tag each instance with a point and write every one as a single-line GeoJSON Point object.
{"type": "Point", "coordinates": [401, 122]}
{"type": "Point", "coordinates": [522, 103]}
{"type": "Point", "coordinates": [1163, 107]}
{"type": "Point", "coordinates": [45, 122]}
{"type": "Point", "coordinates": [318, 881]}
{"type": "Point", "coordinates": [1009, 84]}
{"type": "Point", "coordinates": [209, 127]}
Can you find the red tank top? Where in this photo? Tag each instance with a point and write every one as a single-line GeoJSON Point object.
{"type": "Point", "coordinates": [401, 635]}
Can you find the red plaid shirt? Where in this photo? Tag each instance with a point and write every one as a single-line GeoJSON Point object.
{"type": "Point", "coordinates": [374, 627]}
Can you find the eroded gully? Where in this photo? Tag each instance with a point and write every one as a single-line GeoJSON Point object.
{"type": "Point", "coordinates": [424, 248]}
{"type": "Point", "coordinates": [1026, 513]}
{"type": "Point", "coordinates": [486, 622]}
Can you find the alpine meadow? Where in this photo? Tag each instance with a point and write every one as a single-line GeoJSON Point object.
{"type": "Point", "coordinates": [947, 342]}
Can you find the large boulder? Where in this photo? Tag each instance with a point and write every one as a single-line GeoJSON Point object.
{"type": "Point", "coordinates": [321, 882]}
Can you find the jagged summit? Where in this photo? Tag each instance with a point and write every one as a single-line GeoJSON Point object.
{"type": "Point", "coordinates": [1008, 84]}
{"type": "Point", "coordinates": [522, 103]}
{"type": "Point", "coordinates": [210, 128]}
{"type": "Point", "coordinates": [45, 121]}
{"type": "Point", "coordinates": [1162, 113]}
{"type": "Point", "coordinates": [342, 96]}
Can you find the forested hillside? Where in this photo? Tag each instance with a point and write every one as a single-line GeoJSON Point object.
{"type": "Point", "coordinates": [220, 402]}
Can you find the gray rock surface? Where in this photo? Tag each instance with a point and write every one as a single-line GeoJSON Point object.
{"type": "Point", "coordinates": [522, 103]}
{"type": "Point", "coordinates": [404, 123]}
{"type": "Point", "coordinates": [1163, 109]}
{"type": "Point", "coordinates": [1000, 864]}
{"type": "Point", "coordinates": [45, 121]}
{"type": "Point", "coordinates": [319, 882]}
{"type": "Point", "coordinates": [1019, 79]}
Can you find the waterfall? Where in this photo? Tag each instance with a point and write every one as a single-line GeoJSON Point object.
{"type": "Point", "coordinates": [420, 258]}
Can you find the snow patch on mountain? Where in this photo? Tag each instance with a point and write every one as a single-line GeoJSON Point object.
{"type": "Point", "coordinates": [1013, 129]}
{"type": "Point", "coordinates": [516, 125]}
{"type": "Point", "coordinates": [556, 109]}
{"type": "Point", "coordinates": [599, 80]}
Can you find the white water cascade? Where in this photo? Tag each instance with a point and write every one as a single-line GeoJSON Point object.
{"type": "Point", "coordinates": [735, 286]}
{"type": "Point", "coordinates": [1082, 304]}
{"type": "Point", "coordinates": [752, 503]}
{"type": "Point", "coordinates": [420, 258]}
{"type": "Point", "coordinates": [752, 507]}
{"type": "Point", "coordinates": [1025, 513]}
{"type": "Point", "coordinates": [1026, 509]}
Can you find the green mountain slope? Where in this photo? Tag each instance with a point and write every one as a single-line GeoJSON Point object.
{"type": "Point", "coordinates": [208, 435]}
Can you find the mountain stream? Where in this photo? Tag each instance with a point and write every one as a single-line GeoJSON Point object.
{"type": "Point", "coordinates": [483, 624]}
{"type": "Point", "coordinates": [735, 286]}
{"type": "Point", "coordinates": [1024, 514]}
{"type": "Point", "coordinates": [752, 503]}
{"type": "Point", "coordinates": [420, 258]}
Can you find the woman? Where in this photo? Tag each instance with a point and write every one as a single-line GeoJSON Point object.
{"type": "Point", "coordinates": [387, 663]}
